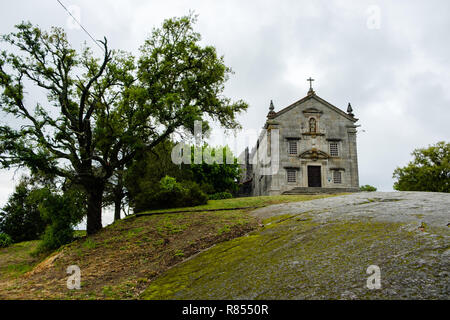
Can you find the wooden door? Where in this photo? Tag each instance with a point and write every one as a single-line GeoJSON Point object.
{"type": "Point", "coordinates": [314, 176]}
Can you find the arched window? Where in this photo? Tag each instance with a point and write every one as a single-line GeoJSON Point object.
{"type": "Point", "coordinates": [312, 125]}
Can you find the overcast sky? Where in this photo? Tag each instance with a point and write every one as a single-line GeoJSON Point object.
{"type": "Point", "coordinates": [390, 59]}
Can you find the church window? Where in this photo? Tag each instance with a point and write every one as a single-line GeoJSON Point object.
{"type": "Point", "coordinates": [312, 125]}
{"type": "Point", "coordinates": [291, 175]}
{"type": "Point", "coordinates": [334, 150]}
{"type": "Point", "coordinates": [337, 176]}
{"type": "Point", "coordinates": [293, 147]}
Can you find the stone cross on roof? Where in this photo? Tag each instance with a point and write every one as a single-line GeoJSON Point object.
{"type": "Point", "coordinates": [311, 91]}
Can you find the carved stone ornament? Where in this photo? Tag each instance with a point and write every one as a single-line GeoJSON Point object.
{"type": "Point", "coordinates": [314, 154]}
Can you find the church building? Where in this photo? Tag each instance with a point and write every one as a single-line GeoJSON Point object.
{"type": "Point", "coordinates": [316, 150]}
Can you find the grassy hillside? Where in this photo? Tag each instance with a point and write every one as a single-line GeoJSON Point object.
{"type": "Point", "coordinates": [121, 261]}
{"type": "Point", "coordinates": [261, 201]}
{"type": "Point", "coordinates": [17, 260]}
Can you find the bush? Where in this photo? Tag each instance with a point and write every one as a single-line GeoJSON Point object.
{"type": "Point", "coordinates": [193, 196]}
{"type": "Point", "coordinates": [207, 188]}
{"type": "Point", "coordinates": [368, 188]}
{"type": "Point", "coordinates": [169, 184]}
{"type": "Point", "coordinates": [220, 195]}
{"type": "Point", "coordinates": [171, 194]}
{"type": "Point", "coordinates": [62, 213]}
{"type": "Point", "coordinates": [5, 240]}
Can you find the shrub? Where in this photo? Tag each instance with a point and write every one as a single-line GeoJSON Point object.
{"type": "Point", "coordinates": [220, 195]}
{"type": "Point", "coordinates": [5, 240]}
{"type": "Point", "coordinates": [207, 188]}
{"type": "Point", "coordinates": [368, 188]}
{"type": "Point", "coordinates": [168, 184]}
{"type": "Point", "coordinates": [193, 195]}
{"type": "Point", "coordinates": [171, 194]}
{"type": "Point", "coordinates": [62, 212]}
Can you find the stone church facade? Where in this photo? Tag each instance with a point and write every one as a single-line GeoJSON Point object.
{"type": "Point", "coordinates": [316, 150]}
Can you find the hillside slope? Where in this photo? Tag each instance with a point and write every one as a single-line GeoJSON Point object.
{"type": "Point", "coordinates": [121, 261]}
{"type": "Point", "coordinates": [321, 249]}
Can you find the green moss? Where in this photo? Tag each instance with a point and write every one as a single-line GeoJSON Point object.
{"type": "Point", "coordinates": [295, 257]}
{"type": "Point", "coordinates": [274, 220]}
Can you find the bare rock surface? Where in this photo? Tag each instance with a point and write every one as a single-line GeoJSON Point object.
{"type": "Point", "coordinates": [322, 249]}
{"type": "Point", "coordinates": [432, 208]}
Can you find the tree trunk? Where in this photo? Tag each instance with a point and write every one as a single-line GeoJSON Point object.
{"type": "Point", "coordinates": [94, 210]}
{"type": "Point", "coordinates": [117, 208]}
{"type": "Point", "coordinates": [118, 195]}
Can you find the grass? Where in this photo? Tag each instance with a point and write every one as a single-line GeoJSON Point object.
{"type": "Point", "coordinates": [244, 202]}
{"type": "Point", "coordinates": [121, 260]}
{"type": "Point", "coordinates": [16, 259]}
{"type": "Point", "coordinates": [90, 244]}
{"type": "Point", "coordinates": [79, 234]}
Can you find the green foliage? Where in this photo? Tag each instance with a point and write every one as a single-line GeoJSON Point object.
{"type": "Point", "coordinates": [182, 80]}
{"type": "Point", "coordinates": [194, 196]}
{"type": "Point", "coordinates": [5, 240]}
{"type": "Point", "coordinates": [20, 218]}
{"type": "Point", "coordinates": [147, 176]}
{"type": "Point", "coordinates": [218, 176]}
{"type": "Point", "coordinates": [428, 171]}
{"type": "Point", "coordinates": [368, 188]}
{"type": "Point", "coordinates": [146, 171]}
{"type": "Point", "coordinates": [169, 184]}
{"type": "Point", "coordinates": [171, 194]}
{"type": "Point", "coordinates": [220, 196]}
{"type": "Point", "coordinates": [62, 213]}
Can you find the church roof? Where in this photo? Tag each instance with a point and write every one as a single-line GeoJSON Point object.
{"type": "Point", "coordinates": [317, 98]}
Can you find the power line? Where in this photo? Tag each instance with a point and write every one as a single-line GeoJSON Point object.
{"type": "Point", "coordinates": [95, 41]}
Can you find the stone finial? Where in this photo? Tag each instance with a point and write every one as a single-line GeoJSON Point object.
{"type": "Point", "coordinates": [271, 113]}
{"type": "Point", "coordinates": [350, 110]}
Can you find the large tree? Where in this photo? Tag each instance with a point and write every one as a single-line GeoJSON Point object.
{"type": "Point", "coordinates": [100, 113]}
{"type": "Point", "coordinates": [428, 171]}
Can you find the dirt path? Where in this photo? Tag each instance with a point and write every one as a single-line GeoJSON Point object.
{"type": "Point", "coordinates": [321, 249]}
